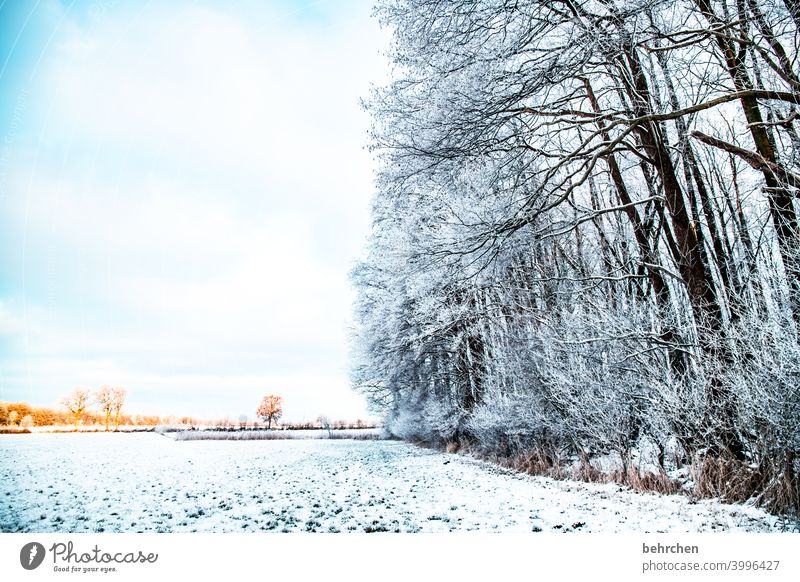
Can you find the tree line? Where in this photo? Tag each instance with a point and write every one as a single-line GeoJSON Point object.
{"type": "Point", "coordinates": [76, 409]}
{"type": "Point", "coordinates": [28, 416]}
{"type": "Point", "coordinates": [585, 235]}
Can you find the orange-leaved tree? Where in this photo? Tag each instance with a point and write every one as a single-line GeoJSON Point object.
{"type": "Point", "coordinates": [271, 408]}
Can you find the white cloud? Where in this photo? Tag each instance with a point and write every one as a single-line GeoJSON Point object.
{"type": "Point", "coordinates": [190, 206]}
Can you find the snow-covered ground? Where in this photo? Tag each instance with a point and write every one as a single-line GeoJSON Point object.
{"type": "Point", "coordinates": [146, 482]}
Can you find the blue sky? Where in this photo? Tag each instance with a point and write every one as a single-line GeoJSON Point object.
{"type": "Point", "coordinates": [183, 189]}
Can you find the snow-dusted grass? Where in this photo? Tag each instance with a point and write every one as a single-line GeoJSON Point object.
{"type": "Point", "coordinates": [91, 428]}
{"type": "Point", "coordinates": [145, 482]}
{"type": "Point", "coordinates": [269, 435]}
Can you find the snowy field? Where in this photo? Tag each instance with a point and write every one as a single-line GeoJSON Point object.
{"type": "Point", "coordinates": [147, 482]}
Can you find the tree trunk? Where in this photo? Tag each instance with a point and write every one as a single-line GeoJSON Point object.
{"type": "Point", "coordinates": [690, 259]}
{"type": "Point", "coordinates": [649, 256]}
{"type": "Point", "coordinates": [794, 9]}
{"type": "Point", "coordinates": [781, 205]}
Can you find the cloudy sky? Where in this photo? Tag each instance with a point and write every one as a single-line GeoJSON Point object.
{"type": "Point", "coordinates": [183, 190]}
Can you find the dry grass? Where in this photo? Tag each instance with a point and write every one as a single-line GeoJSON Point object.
{"type": "Point", "coordinates": [772, 485]}
{"type": "Point", "coordinates": [646, 482]}
{"type": "Point", "coordinates": [588, 472]}
{"type": "Point", "coordinates": [556, 465]}
{"type": "Point", "coordinates": [537, 462]}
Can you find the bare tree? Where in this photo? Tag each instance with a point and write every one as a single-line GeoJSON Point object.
{"type": "Point", "coordinates": [271, 408]}
{"type": "Point", "coordinates": [105, 398]}
{"type": "Point", "coordinates": [118, 395]}
{"type": "Point", "coordinates": [576, 248]}
{"type": "Point", "coordinates": [325, 422]}
{"type": "Point", "coordinates": [77, 403]}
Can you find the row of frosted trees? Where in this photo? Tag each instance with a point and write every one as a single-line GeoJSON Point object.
{"type": "Point", "coordinates": [585, 234]}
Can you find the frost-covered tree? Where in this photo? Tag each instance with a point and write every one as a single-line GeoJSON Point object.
{"type": "Point", "coordinates": [585, 231]}
{"type": "Point", "coordinates": [324, 422]}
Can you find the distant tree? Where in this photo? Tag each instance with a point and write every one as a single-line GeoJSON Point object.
{"type": "Point", "coordinates": [26, 422]}
{"type": "Point", "coordinates": [118, 394]}
{"type": "Point", "coordinates": [12, 417]}
{"type": "Point", "coordinates": [46, 417]}
{"type": "Point", "coordinates": [105, 398]}
{"type": "Point", "coordinates": [22, 409]}
{"type": "Point", "coordinates": [243, 421]}
{"type": "Point", "coordinates": [325, 422]}
{"type": "Point", "coordinates": [3, 413]}
{"type": "Point", "coordinates": [76, 403]}
{"type": "Point", "coordinates": [271, 408]}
